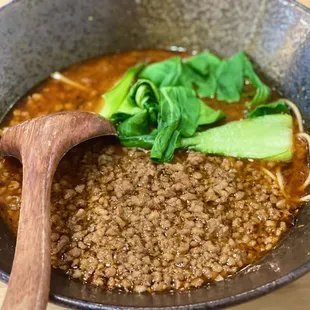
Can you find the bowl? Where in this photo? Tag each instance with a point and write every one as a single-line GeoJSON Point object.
{"type": "Point", "coordinates": [38, 37]}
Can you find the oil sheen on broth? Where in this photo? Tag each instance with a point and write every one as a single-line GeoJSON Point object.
{"type": "Point", "coordinates": [120, 221]}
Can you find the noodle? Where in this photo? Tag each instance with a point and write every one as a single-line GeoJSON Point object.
{"type": "Point", "coordinates": [307, 138]}
{"type": "Point", "coordinates": [305, 198]}
{"type": "Point", "coordinates": [60, 77]}
{"type": "Point", "coordinates": [297, 114]}
{"type": "Point", "coordinates": [280, 180]}
{"type": "Point", "coordinates": [269, 173]}
{"type": "Point", "coordinates": [280, 203]}
{"type": "Point", "coordinates": [302, 135]}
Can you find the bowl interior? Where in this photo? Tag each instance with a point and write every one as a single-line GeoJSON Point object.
{"type": "Point", "coordinates": [41, 36]}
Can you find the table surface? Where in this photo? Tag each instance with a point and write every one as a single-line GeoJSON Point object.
{"type": "Point", "coordinates": [293, 296]}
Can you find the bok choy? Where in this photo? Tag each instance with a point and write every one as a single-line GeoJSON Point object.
{"type": "Point", "coordinates": [230, 76]}
{"type": "Point", "coordinates": [179, 114]}
{"type": "Point", "coordinates": [263, 137]}
{"type": "Point", "coordinates": [270, 108]}
{"type": "Point", "coordinates": [158, 107]}
{"type": "Point", "coordinates": [116, 95]}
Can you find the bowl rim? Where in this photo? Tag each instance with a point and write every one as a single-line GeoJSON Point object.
{"type": "Point", "coordinates": [75, 303]}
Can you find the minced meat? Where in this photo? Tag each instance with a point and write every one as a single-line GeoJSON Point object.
{"type": "Point", "coordinates": [136, 225]}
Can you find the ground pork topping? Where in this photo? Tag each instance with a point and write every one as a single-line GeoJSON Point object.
{"type": "Point", "coordinates": [136, 225]}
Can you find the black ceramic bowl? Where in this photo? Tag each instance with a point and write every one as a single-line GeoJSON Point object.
{"type": "Point", "coordinates": [38, 37]}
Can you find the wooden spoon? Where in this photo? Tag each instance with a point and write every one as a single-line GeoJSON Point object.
{"type": "Point", "coordinates": [39, 144]}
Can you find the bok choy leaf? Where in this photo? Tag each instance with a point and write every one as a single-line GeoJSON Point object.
{"type": "Point", "coordinates": [229, 76]}
{"type": "Point", "coordinates": [135, 125]}
{"type": "Point", "coordinates": [203, 63]}
{"type": "Point", "coordinates": [200, 70]}
{"type": "Point", "coordinates": [270, 108]}
{"type": "Point", "coordinates": [230, 80]}
{"type": "Point", "coordinates": [161, 110]}
{"type": "Point", "coordinates": [146, 96]}
{"type": "Point", "coordinates": [114, 97]}
{"type": "Point", "coordinates": [264, 137]}
{"type": "Point", "coordinates": [262, 90]}
{"type": "Point", "coordinates": [179, 113]}
{"type": "Point", "coordinates": [164, 73]}
{"type": "Point", "coordinates": [142, 95]}
{"type": "Point", "coordinates": [145, 141]}
{"type": "Point", "coordinates": [209, 116]}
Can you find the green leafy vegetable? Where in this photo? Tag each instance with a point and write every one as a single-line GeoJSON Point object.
{"type": "Point", "coordinates": [189, 106]}
{"type": "Point", "coordinates": [164, 73]}
{"type": "Point", "coordinates": [265, 137]}
{"type": "Point", "coordinates": [143, 141]}
{"type": "Point", "coordinates": [161, 110]}
{"type": "Point", "coordinates": [168, 125]}
{"type": "Point", "coordinates": [207, 88]}
{"type": "Point", "coordinates": [179, 115]}
{"type": "Point", "coordinates": [203, 62]}
{"type": "Point", "coordinates": [210, 75]}
{"type": "Point", "coordinates": [117, 94]}
{"type": "Point", "coordinates": [229, 76]}
{"type": "Point", "coordinates": [209, 116]}
{"type": "Point", "coordinates": [262, 90]}
{"type": "Point", "coordinates": [135, 125]}
{"type": "Point", "coordinates": [146, 95]}
{"type": "Point", "coordinates": [138, 111]}
{"type": "Point", "coordinates": [127, 108]}
{"type": "Point", "coordinates": [201, 71]}
{"type": "Point", "coordinates": [142, 95]}
{"type": "Point", "coordinates": [230, 80]}
{"type": "Point", "coordinates": [271, 108]}
{"type": "Point", "coordinates": [181, 112]}
{"type": "Point", "coordinates": [189, 77]}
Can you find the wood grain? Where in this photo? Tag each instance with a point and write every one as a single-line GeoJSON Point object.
{"type": "Point", "coordinates": [293, 296]}
{"type": "Point", "coordinates": [40, 143]}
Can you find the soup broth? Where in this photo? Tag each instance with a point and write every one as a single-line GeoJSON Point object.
{"type": "Point", "coordinates": [121, 221]}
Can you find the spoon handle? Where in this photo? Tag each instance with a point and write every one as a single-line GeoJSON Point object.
{"type": "Point", "coordinates": [28, 287]}
{"type": "Point", "coordinates": [40, 143]}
